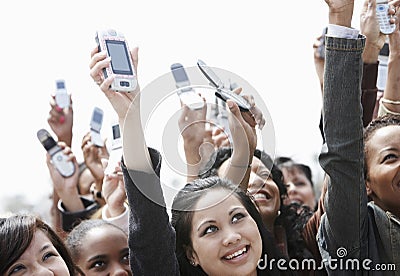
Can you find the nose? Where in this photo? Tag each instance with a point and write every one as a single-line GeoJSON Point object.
{"type": "Point", "coordinates": [291, 188]}
{"type": "Point", "coordinates": [256, 182]}
{"type": "Point", "coordinates": [40, 270]}
{"type": "Point", "coordinates": [231, 236]}
{"type": "Point", "coordinates": [118, 269]}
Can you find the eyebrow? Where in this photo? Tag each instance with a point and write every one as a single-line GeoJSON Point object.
{"type": "Point", "coordinates": [388, 149]}
{"type": "Point", "coordinates": [97, 257]}
{"type": "Point", "coordinates": [213, 221]}
{"type": "Point", "coordinates": [44, 247]}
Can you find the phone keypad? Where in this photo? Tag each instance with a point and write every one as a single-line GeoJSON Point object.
{"type": "Point", "coordinates": [384, 19]}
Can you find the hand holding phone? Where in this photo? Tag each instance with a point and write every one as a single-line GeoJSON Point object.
{"type": "Point", "coordinates": [62, 98]}
{"type": "Point", "coordinates": [186, 93]}
{"type": "Point", "coordinates": [221, 92]}
{"type": "Point", "coordinates": [382, 12]}
{"type": "Point", "coordinates": [64, 166]}
{"type": "Point", "coordinates": [121, 65]}
{"type": "Point", "coordinates": [95, 127]}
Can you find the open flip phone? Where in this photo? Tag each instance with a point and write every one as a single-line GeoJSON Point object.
{"type": "Point", "coordinates": [221, 92]}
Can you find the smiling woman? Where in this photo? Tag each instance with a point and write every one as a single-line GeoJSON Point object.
{"type": "Point", "coordinates": [30, 247]}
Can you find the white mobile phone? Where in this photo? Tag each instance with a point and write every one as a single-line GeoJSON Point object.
{"type": "Point", "coordinates": [121, 65]}
{"type": "Point", "coordinates": [62, 98]}
{"type": "Point", "coordinates": [383, 58]}
{"type": "Point", "coordinates": [116, 142]}
{"type": "Point", "coordinates": [382, 12]}
{"type": "Point", "coordinates": [186, 93]}
{"type": "Point", "coordinates": [95, 127]}
{"type": "Point", "coordinates": [65, 167]}
{"type": "Point", "coordinates": [116, 148]}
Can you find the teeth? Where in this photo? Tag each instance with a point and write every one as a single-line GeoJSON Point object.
{"type": "Point", "coordinates": [237, 253]}
{"type": "Point", "coordinates": [260, 195]}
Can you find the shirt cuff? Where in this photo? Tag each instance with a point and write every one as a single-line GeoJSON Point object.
{"type": "Point", "coordinates": [342, 32]}
{"type": "Point", "coordinates": [122, 221]}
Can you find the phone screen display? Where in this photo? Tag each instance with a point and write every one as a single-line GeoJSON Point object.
{"type": "Point", "coordinates": [116, 132]}
{"type": "Point", "coordinates": [180, 74]}
{"type": "Point", "coordinates": [97, 117]}
{"type": "Point", "coordinates": [119, 57]}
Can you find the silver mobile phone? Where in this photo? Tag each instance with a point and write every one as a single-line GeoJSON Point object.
{"type": "Point", "coordinates": [95, 127]}
{"type": "Point", "coordinates": [65, 167]}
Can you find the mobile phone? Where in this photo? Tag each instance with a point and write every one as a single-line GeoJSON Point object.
{"type": "Point", "coordinates": [95, 126]}
{"type": "Point", "coordinates": [186, 93]}
{"type": "Point", "coordinates": [116, 142]}
{"type": "Point", "coordinates": [382, 12]}
{"type": "Point", "coordinates": [121, 65]}
{"type": "Point", "coordinates": [221, 92]}
{"type": "Point", "coordinates": [60, 160]}
{"type": "Point", "coordinates": [321, 47]}
{"type": "Point", "coordinates": [383, 58]}
{"type": "Point", "coordinates": [62, 98]}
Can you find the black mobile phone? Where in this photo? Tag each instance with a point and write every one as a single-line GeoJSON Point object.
{"type": "Point", "coordinates": [65, 167]}
{"type": "Point", "coordinates": [221, 92]}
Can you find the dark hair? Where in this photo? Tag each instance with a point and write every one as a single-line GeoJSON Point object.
{"type": "Point", "coordinates": [373, 126]}
{"type": "Point", "coordinates": [293, 217]}
{"type": "Point", "coordinates": [16, 234]}
{"type": "Point", "coordinates": [76, 238]}
{"type": "Point", "coordinates": [287, 162]}
{"type": "Point", "coordinates": [224, 153]}
{"type": "Point", "coordinates": [182, 215]}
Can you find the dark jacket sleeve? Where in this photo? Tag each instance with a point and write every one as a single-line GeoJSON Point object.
{"type": "Point", "coordinates": [151, 236]}
{"type": "Point", "coordinates": [70, 219]}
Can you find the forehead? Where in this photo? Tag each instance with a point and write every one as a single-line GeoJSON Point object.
{"type": "Point", "coordinates": [388, 136]}
{"type": "Point", "coordinates": [214, 201]}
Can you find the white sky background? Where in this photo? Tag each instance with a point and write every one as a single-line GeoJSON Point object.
{"type": "Point", "coordinates": [269, 44]}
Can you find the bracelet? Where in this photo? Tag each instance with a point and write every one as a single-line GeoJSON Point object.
{"type": "Point", "coordinates": [386, 110]}
{"type": "Point", "coordinates": [389, 101]}
{"type": "Point", "coordinates": [239, 166]}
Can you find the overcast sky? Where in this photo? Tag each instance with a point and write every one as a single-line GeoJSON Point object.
{"type": "Point", "coordinates": [268, 44]}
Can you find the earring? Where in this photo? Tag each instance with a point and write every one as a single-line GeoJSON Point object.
{"type": "Point", "coordinates": [192, 263]}
{"type": "Point", "coordinates": [279, 213]}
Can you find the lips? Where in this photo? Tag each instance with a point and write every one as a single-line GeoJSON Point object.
{"type": "Point", "coordinates": [236, 254]}
{"type": "Point", "coordinates": [262, 195]}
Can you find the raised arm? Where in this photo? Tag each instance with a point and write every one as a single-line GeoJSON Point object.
{"type": "Point", "coordinates": [342, 158]}
{"type": "Point", "coordinates": [151, 237]}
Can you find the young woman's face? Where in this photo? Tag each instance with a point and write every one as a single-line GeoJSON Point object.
{"type": "Point", "coordinates": [299, 188]}
{"type": "Point", "coordinates": [383, 162]}
{"type": "Point", "coordinates": [225, 238]}
{"type": "Point", "coordinates": [105, 252]}
{"type": "Point", "coordinates": [40, 258]}
{"type": "Point", "coordinates": [263, 188]}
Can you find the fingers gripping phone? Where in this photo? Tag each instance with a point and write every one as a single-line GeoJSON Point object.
{"type": "Point", "coordinates": [382, 12]}
{"type": "Point", "coordinates": [95, 127]}
{"type": "Point", "coordinates": [62, 98]}
{"type": "Point", "coordinates": [121, 66]}
{"type": "Point", "coordinates": [221, 92]}
{"type": "Point", "coordinates": [60, 160]}
{"type": "Point", "coordinates": [186, 93]}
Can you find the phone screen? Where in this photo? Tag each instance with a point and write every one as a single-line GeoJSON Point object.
{"type": "Point", "coordinates": [97, 117]}
{"type": "Point", "coordinates": [116, 132]}
{"type": "Point", "coordinates": [119, 57]}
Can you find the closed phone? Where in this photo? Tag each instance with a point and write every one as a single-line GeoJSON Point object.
{"type": "Point", "coordinates": [95, 127]}
{"type": "Point", "coordinates": [121, 65]}
{"type": "Point", "coordinates": [186, 93]}
{"type": "Point", "coordinates": [221, 92]}
{"type": "Point", "coordinates": [382, 12]}
{"type": "Point", "coordinates": [60, 160]}
{"type": "Point", "coordinates": [62, 98]}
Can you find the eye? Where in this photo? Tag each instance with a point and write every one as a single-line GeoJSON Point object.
{"type": "Point", "coordinates": [389, 156]}
{"type": "Point", "coordinates": [48, 255]}
{"type": "Point", "coordinates": [237, 217]}
{"type": "Point", "coordinates": [16, 269]}
{"type": "Point", "coordinates": [125, 259]}
{"type": "Point", "coordinates": [299, 184]}
{"type": "Point", "coordinates": [265, 174]}
{"type": "Point", "coordinates": [98, 265]}
{"type": "Point", "coordinates": [210, 229]}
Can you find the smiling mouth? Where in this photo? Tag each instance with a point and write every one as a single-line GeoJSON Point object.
{"type": "Point", "coordinates": [262, 195]}
{"type": "Point", "coordinates": [237, 254]}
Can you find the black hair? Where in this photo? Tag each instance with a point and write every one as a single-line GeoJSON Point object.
{"type": "Point", "coordinates": [182, 215]}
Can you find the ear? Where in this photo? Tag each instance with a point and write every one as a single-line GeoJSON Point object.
{"type": "Point", "coordinates": [191, 256]}
{"type": "Point", "coordinates": [368, 187]}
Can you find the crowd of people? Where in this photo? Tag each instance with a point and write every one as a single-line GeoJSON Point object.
{"type": "Point", "coordinates": [241, 212]}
